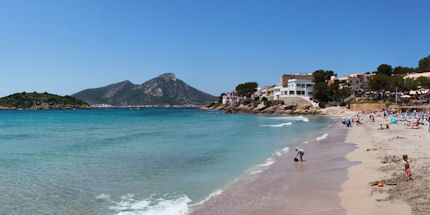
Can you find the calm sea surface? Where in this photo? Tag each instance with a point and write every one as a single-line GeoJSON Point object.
{"type": "Point", "coordinates": [144, 161]}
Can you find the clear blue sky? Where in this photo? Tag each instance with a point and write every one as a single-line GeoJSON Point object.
{"type": "Point", "coordinates": [66, 46]}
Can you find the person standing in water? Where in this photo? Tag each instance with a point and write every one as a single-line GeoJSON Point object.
{"type": "Point", "coordinates": [300, 153]}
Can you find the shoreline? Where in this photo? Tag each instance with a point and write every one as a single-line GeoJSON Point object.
{"type": "Point", "coordinates": [285, 185]}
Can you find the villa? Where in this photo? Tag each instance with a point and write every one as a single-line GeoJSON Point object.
{"type": "Point", "coordinates": [298, 85]}
{"type": "Point", "coordinates": [231, 98]}
{"type": "Point", "coordinates": [357, 82]}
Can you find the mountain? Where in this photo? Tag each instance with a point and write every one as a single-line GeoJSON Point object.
{"type": "Point", "coordinates": [37, 101]}
{"type": "Point", "coordinates": [164, 90]}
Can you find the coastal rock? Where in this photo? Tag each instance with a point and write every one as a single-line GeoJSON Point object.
{"type": "Point", "coordinates": [272, 108]}
{"type": "Point", "coordinates": [288, 112]}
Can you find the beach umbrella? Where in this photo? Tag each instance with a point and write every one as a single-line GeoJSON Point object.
{"type": "Point", "coordinates": [405, 96]}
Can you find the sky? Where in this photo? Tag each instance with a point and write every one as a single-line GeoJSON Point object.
{"type": "Point", "coordinates": [63, 47]}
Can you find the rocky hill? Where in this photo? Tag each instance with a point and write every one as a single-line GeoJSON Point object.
{"type": "Point", "coordinates": [38, 101]}
{"type": "Point", "coordinates": [164, 90]}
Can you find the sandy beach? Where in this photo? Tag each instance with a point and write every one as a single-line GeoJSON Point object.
{"type": "Point", "coordinates": [339, 175]}
{"type": "Point", "coordinates": [379, 154]}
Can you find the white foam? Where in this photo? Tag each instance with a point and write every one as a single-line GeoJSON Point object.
{"type": "Point", "coordinates": [103, 196]}
{"type": "Point", "coordinates": [269, 161]}
{"type": "Point", "coordinates": [213, 194]}
{"type": "Point", "coordinates": [322, 137]}
{"type": "Point", "coordinates": [129, 206]}
{"type": "Point", "coordinates": [291, 118]}
{"type": "Point", "coordinates": [286, 149]}
{"type": "Point", "coordinates": [278, 125]}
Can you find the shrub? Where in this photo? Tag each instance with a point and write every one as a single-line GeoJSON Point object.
{"type": "Point", "coordinates": [277, 102]}
{"type": "Point", "coordinates": [246, 101]}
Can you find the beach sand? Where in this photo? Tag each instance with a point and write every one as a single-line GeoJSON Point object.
{"type": "Point", "coordinates": [288, 187]}
{"type": "Point", "coordinates": [379, 155]}
{"type": "Point", "coordinates": [339, 175]}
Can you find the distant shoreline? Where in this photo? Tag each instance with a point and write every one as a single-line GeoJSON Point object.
{"type": "Point", "coordinates": [103, 107]}
{"type": "Point", "coordinates": [145, 106]}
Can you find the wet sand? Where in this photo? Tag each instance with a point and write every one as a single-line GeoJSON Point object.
{"type": "Point", "coordinates": [288, 187]}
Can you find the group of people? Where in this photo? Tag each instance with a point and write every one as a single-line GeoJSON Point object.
{"type": "Point", "coordinates": [350, 120]}
{"type": "Point", "coordinates": [411, 120]}
{"type": "Point", "coordinates": [419, 118]}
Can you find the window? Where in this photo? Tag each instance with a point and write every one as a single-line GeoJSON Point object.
{"type": "Point", "coordinates": [291, 92]}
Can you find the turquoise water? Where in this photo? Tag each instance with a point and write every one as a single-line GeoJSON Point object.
{"type": "Point", "coordinates": [120, 161]}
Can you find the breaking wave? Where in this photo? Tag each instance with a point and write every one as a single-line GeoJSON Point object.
{"type": "Point", "coordinates": [322, 137]}
{"type": "Point", "coordinates": [291, 118]}
{"type": "Point", "coordinates": [279, 125]}
{"type": "Point", "coordinates": [130, 206]}
{"type": "Point", "coordinates": [269, 161]}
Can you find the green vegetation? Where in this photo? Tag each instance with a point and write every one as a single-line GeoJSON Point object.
{"type": "Point", "coordinates": [385, 69]}
{"type": "Point", "coordinates": [325, 93]}
{"type": "Point", "coordinates": [424, 64]}
{"type": "Point", "coordinates": [35, 100]}
{"type": "Point", "coordinates": [246, 89]}
{"type": "Point", "coordinates": [267, 103]}
{"type": "Point", "coordinates": [399, 70]}
{"type": "Point", "coordinates": [383, 82]}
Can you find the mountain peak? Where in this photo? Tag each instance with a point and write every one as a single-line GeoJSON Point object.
{"type": "Point", "coordinates": [168, 76]}
{"type": "Point", "coordinates": [165, 89]}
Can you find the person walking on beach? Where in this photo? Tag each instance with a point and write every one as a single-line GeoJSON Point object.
{"type": "Point", "coordinates": [300, 153]}
{"type": "Point", "coordinates": [407, 166]}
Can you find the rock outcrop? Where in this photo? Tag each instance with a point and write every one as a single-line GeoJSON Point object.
{"type": "Point", "coordinates": [266, 108]}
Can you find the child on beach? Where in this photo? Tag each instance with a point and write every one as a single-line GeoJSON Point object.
{"type": "Point", "coordinates": [300, 153]}
{"type": "Point", "coordinates": [407, 166]}
{"type": "Point", "coordinates": [348, 122]}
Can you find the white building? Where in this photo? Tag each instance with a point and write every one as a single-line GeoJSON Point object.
{"type": "Point", "coordinates": [231, 98]}
{"type": "Point", "coordinates": [298, 87]}
{"type": "Point", "coordinates": [277, 91]}
{"type": "Point", "coordinates": [261, 92]}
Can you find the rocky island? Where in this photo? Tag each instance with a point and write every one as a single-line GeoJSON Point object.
{"type": "Point", "coordinates": [40, 101]}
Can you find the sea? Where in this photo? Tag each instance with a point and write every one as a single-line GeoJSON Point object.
{"type": "Point", "coordinates": [148, 161]}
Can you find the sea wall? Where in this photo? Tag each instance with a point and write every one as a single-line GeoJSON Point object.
{"type": "Point", "coordinates": [368, 107]}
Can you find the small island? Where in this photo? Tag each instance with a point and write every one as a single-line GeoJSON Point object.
{"type": "Point", "coordinates": [40, 101]}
